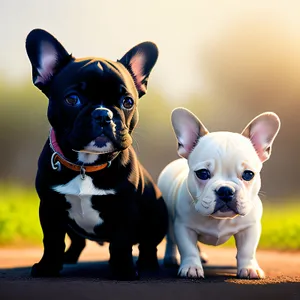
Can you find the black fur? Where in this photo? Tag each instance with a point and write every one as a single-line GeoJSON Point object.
{"type": "Point", "coordinates": [136, 214]}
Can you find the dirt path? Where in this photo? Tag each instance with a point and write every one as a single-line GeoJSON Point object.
{"type": "Point", "coordinates": [89, 278]}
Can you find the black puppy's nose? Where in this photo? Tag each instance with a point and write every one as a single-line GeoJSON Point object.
{"type": "Point", "coordinates": [102, 115]}
{"type": "Point", "coordinates": [225, 193]}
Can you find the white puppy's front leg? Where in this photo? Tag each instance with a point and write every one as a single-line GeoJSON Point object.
{"type": "Point", "coordinates": [186, 239]}
{"type": "Point", "coordinates": [246, 243]}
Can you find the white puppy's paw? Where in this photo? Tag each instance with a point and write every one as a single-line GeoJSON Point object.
{"type": "Point", "coordinates": [251, 273]}
{"type": "Point", "coordinates": [189, 271]}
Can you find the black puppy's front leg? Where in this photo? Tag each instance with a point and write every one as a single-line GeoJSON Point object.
{"type": "Point", "coordinates": [121, 260]}
{"type": "Point", "coordinates": [53, 221]}
{"type": "Point", "coordinates": [78, 243]}
{"type": "Point", "coordinates": [153, 229]}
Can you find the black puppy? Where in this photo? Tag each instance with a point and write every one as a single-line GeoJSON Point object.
{"type": "Point", "coordinates": [89, 180]}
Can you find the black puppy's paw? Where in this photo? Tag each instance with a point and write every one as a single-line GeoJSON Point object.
{"type": "Point", "coordinates": [41, 270]}
{"type": "Point", "coordinates": [71, 257]}
{"type": "Point", "coordinates": [147, 263]}
{"type": "Point", "coordinates": [127, 274]}
{"type": "Point", "coordinates": [147, 260]}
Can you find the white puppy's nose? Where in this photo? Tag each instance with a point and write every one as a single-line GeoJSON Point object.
{"type": "Point", "coordinates": [225, 193]}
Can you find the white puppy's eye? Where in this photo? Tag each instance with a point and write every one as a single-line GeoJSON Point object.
{"type": "Point", "coordinates": [203, 174]}
{"type": "Point", "coordinates": [247, 175]}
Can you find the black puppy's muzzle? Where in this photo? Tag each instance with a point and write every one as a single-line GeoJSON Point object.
{"type": "Point", "coordinates": [225, 193]}
{"type": "Point", "coordinates": [102, 116]}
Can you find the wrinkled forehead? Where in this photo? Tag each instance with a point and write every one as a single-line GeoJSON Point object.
{"type": "Point", "coordinates": [96, 73]}
{"type": "Point", "coordinates": [225, 147]}
{"type": "Point", "coordinates": [98, 68]}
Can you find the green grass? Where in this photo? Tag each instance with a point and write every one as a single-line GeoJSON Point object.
{"type": "Point", "coordinates": [19, 222]}
{"type": "Point", "coordinates": [280, 226]}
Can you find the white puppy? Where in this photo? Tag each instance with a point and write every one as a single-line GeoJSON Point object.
{"type": "Point", "coordinates": [212, 192]}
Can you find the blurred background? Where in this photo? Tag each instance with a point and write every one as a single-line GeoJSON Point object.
{"type": "Point", "coordinates": [227, 61]}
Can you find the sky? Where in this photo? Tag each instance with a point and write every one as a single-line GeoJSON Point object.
{"type": "Point", "coordinates": [183, 31]}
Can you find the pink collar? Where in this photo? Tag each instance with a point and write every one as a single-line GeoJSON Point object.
{"type": "Point", "coordinates": [53, 143]}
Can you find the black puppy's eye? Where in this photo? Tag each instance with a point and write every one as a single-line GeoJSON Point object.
{"type": "Point", "coordinates": [72, 100]}
{"type": "Point", "coordinates": [203, 174]}
{"type": "Point", "coordinates": [247, 175]}
{"type": "Point", "coordinates": [127, 103]}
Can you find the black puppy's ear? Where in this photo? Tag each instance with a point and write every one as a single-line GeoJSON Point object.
{"type": "Point", "coordinates": [139, 61]}
{"type": "Point", "coordinates": [47, 57]}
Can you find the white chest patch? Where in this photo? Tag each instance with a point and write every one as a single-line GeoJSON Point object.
{"type": "Point", "coordinates": [79, 194]}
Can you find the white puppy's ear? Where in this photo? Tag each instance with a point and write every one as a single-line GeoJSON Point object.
{"type": "Point", "coordinates": [188, 129]}
{"type": "Point", "coordinates": [262, 131]}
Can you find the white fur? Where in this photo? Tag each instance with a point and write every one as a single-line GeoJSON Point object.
{"type": "Point", "coordinates": [105, 149]}
{"type": "Point", "coordinates": [89, 158]}
{"type": "Point", "coordinates": [191, 201]}
{"type": "Point", "coordinates": [226, 155]}
{"type": "Point", "coordinates": [79, 194]}
{"type": "Point", "coordinates": [93, 148]}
